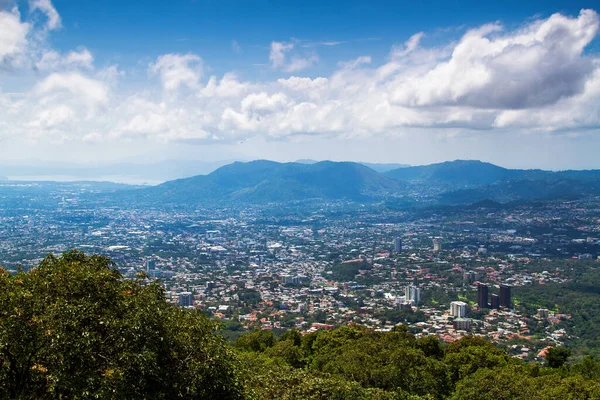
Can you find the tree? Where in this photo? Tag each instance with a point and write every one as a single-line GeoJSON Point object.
{"type": "Point", "coordinates": [467, 355]}
{"type": "Point", "coordinates": [557, 357]}
{"type": "Point", "coordinates": [257, 340]}
{"type": "Point", "coordinates": [73, 328]}
{"type": "Point", "coordinates": [431, 346]}
{"type": "Point", "coordinates": [293, 335]}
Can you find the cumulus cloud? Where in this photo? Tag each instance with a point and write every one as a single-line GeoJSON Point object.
{"type": "Point", "coordinates": [46, 7]}
{"type": "Point", "coordinates": [13, 37]}
{"type": "Point", "coordinates": [278, 56]}
{"type": "Point", "coordinates": [228, 86]}
{"type": "Point", "coordinates": [533, 67]}
{"type": "Point", "coordinates": [87, 90]}
{"type": "Point", "coordinates": [303, 84]}
{"type": "Point", "coordinates": [539, 77]}
{"type": "Point", "coordinates": [278, 53]}
{"type": "Point", "coordinates": [52, 60]}
{"type": "Point", "coordinates": [178, 70]}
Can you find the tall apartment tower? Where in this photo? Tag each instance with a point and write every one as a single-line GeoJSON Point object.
{"type": "Point", "coordinates": [412, 294]}
{"type": "Point", "coordinates": [482, 296]}
{"type": "Point", "coordinates": [505, 300]}
{"type": "Point", "coordinates": [437, 245]}
{"type": "Point", "coordinates": [495, 301]}
{"type": "Point", "coordinates": [398, 245]}
{"type": "Point", "coordinates": [150, 265]}
{"type": "Point", "coordinates": [458, 309]}
{"type": "Point", "coordinates": [186, 299]}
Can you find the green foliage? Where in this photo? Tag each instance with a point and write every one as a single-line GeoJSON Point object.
{"type": "Point", "coordinates": [250, 296]}
{"type": "Point", "coordinates": [72, 328]}
{"type": "Point", "coordinates": [471, 353]}
{"type": "Point", "coordinates": [588, 368]}
{"type": "Point", "coordinates": [344, 272]}
{"type": "Point", "coordinates": [268, 379]}
{"type": "Point", "coordinates": [355, 362]}
{"type": "Point", "coordinates": [518, 382]}
{"type": "Point", "coordinates": [258, 341]}
{"type": "Point", "coordinates": [293, 335]}
{"type": "Point", "coordinates": [396, 316]}
{"type": "Point", "coordinates": [557, 357]}
{"type": "Point", "coordinates": [430, 346]}
{"type": "Point", "coordinates": [578, 297]}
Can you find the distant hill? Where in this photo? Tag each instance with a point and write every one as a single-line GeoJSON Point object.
{"type": "Point", "coordinates": [384, 167]}
{"type": "Point", "coordinates": [455, 182]}
{"type": "Point", "coordinates": [459, 172]}
{"type": "Point", "coordinates": [268, 181]}
{"type": "Point", "coordinates": [552, 187]}
{"type": "Point", "coordinates": [379, 167]}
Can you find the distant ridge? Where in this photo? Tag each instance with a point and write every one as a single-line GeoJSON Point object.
{"type": "Point", "coordinates": [379, 167]}
{"type": "Point", "coordinates": [464, 182]}
{"type": "Point", "coordinates": [466, 172]}
{"type": "Point", "coordinates": [268, 181]}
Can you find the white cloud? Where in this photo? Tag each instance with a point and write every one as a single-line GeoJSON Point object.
{"type": "Point", "coordinates": [300, 63]}
{"type": "Point", "coordinates": [87, 90]}
{"type": "Point", "coordinates": [278, 52]}
{"type": "Point", "coordinates": [327, 43]}
{"type": "Point", "coordinates": [52, 60]}
{"type": "Point", "coordinates": [46, 7]}
{"type": "Point", "coordinates": [278, 57]}
{"type": "Point", "coordinates": [53, 116]}
{"type": "Point", "coordinates": [411, 45]}
{"type": "Point", "coordinates": [178, 70]}
{"type": "Point", "coordinates": [302, 84]}
{"type": "Point", "coordinates": [362, 60]}
{"type": "Point", "coordinates": [13, 37]}
{"type": "Point", "coordinates": [535, 66]}
{"type": "Point", "coordinates": [82, 57]}
{"type": "Point", "coordinates": [535, 78]}
{"type": "Point", "coordinates": [228, 86]}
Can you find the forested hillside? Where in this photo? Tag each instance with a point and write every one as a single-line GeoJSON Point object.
{"type": "Point", "coordinates": [74, 328]}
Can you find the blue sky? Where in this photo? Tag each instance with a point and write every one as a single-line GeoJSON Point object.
{"type": "Point", "coordinates": [126, 31]}
{"type": "Point", "coordinates": [515, 83]}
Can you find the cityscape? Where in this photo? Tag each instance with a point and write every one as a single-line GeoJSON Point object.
{"type": "Point", "coordinates": [299, 200]}
{"type": "Point", "coordinates": [446, 273]}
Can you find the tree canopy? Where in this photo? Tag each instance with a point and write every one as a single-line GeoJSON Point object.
{"type": "Point", "coordinates": [75, 328]}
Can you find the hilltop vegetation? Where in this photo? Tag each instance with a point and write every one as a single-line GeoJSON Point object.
{"type": "Point", "coordinates": [73, 328]}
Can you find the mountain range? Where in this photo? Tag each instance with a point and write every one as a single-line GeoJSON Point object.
{"type": "Point", "coordinates": [454, 182]}
{"type": "Point", "coordinates": [268, 181]}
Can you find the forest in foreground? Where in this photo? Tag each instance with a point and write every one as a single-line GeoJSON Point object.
{"type": "Point", "coordinates": [74, 328]}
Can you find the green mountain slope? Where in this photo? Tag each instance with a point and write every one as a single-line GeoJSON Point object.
{"type": "Point", "coordinates": [268, 181]}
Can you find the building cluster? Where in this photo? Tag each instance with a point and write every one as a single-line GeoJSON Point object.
{"type": "Point", "coordinates": [331, 264]}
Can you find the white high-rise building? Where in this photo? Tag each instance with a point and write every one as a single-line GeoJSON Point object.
{"type": "Point", "coordinates": [437, 244]}
{"type": "Point", "coordinates": [458, 309]}
{"type": "Point", "coordinates": [412, 294]}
